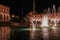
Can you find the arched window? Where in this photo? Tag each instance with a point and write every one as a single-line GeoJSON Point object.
{"type": "Point", "coordinates": [34, 22]}
{"type": "Point", "coordinates": [59, 22]}
{"type": "Point", "coordinates": [5, 17]}
{"type": "Point", "coordinates": [2, 18]}
{"type": "Point", "coordinates": [52, 22]}
{"type": "Point", "coordinates": [38, 24]}
{"type": "Point", "coordinates": [49, 22]}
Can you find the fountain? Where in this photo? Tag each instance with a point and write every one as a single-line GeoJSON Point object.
{"type": "Point", "coordinates": [45, 22]}
{"type": "Point", "coordinates": [45, 28]}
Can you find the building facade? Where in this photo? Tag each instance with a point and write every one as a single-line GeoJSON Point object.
{"type": "Point", "coordinates": [4, 17]}
{"type": "Point", "coordinates": [43, 24]}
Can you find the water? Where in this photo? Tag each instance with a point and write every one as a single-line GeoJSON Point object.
{"type": "Point", "coordinates": [52, 33]}
{"type": "Point", "coordinates": [45, 33]}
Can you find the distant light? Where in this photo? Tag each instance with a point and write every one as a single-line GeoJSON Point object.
{"type": "Point", "coordinates": [33, 28]}
{"type": "Point", "coordinates": [53, 27]}
{"type": "Point", "coordinates": [12, 15]}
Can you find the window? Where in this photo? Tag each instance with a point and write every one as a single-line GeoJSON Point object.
{"type": "Point", "coordinates": [34, 22]}
{"type": "Point", "coordinates": [38, 22]}
{"type": "Point", "coordinates": [50, 23]}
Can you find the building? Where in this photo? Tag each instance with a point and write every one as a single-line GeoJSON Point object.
{"type": "Point", "coordinates": [4, 13]}
{"type": "Point", "coordinates": [4, 17]}
{"type": "Point", "coordinates": [37, 18]}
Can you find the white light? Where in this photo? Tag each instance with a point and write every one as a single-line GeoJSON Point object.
{"type": "Point", "coordinates": [53, 27]}
{"type": "Point", "coordinates": [44, 22]}
{"type": "Point", "coordinates": [34, 29]}
{"type": "Point", "coordinates": [12, 15]}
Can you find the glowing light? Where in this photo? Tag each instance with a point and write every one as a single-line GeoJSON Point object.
{"type": "Point", "coordinates": [12, 15]}
{"type": "Point", "coordinates": [34, 29]}
{"type": "Point", "coordinates": [53, 27]}
{"type": "Point", "coordinates": [44, 22]}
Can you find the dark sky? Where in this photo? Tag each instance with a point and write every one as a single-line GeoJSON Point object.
{"type": "Point", "coordinates": [17, 5]}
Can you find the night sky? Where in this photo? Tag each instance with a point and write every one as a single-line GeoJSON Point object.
{"type": "Point", "coordinates": [17, 5]}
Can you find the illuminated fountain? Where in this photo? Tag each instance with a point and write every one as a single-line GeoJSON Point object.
{"type": "Point", "coordinates": [45, 22]}
{"type": "Point", "coordinates": [44, 28]}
